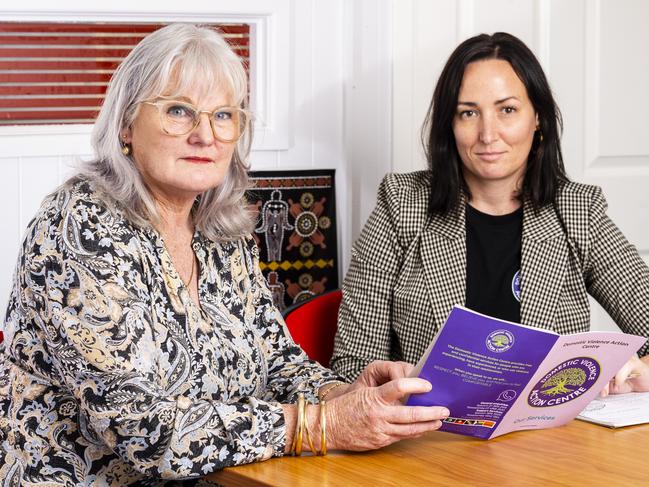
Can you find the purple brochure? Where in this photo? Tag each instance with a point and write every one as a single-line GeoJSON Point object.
{"type": "Point", "coordinates": [496, 376]}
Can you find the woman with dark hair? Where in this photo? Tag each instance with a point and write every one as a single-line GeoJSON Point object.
{"type": "Point", "coordinates": [494, 224]}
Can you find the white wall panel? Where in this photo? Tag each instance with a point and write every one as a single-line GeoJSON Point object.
{"type": "Point", "coordinates": [37, 176]}
{"type": "Point", "coordinates": [513, 16]}
{"type": "Point", "coordinates": [368, 104]}
{"type": "Point", "coordinates": [264, 160]}
{"type": "Point", "coordinates": [10, 197]}
{"type": "Point", "coordinates": [565, 71]}
{"type": "Point", "coordinates": [424, 35]}
{"type": "Point", "coordinates": [615, 147]}
{"type": "Point", "coordinates": [599, 69]}
{"type": "Point", "coordinates": [623, 75]}
{"type": "Point", "coordinates": [326, 66]}
{"type": "Point", "coordinates": [318, 87]}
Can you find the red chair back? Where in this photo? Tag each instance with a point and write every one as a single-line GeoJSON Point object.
{"type": "Point", "coordinates": [313, 325]}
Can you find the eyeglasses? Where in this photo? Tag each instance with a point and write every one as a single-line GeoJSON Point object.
{"type": "Point", "coordinates": [179, 118]}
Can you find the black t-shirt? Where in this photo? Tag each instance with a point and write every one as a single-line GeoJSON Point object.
{"type": "Point", "coordinates": [493, 260]}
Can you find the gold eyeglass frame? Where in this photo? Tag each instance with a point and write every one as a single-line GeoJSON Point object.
{"type": "Point", "coordinates": [210, 115]}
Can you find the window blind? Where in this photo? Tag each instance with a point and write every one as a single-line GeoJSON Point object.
{"type": "Point", "coordinates": [54, 73]}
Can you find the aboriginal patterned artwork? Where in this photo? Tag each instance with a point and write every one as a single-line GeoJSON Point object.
{"type": "Point", "coordinates": [296, 232]}
{"type": "Point", "coordinates": [111, 375]}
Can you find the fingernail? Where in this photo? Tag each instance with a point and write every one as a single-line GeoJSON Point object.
{"type": "Point", "coordinates": [445, 413]}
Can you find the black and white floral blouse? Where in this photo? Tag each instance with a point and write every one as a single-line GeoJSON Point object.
{"type": "Point", "coordinates": [111, 375]}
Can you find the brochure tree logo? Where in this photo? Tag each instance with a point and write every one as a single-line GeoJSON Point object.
{"type": "Point", "coordinates": [500, 340]}
{"type": "Point", "coordinates": [565, 382]}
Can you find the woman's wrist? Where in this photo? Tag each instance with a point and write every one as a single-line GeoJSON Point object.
{"type": "Point", "coordinates": [290, 421]}
{"type": "Point", "coordinates": [317, 421]}
{"type": "Point", "coordinates": [315, 427]}
{"type": "Point", "coordinates": [314, 423]}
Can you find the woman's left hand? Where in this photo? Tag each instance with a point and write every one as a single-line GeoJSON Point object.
{"type": "Point", "coordinates": [375, 374]}
{"type": "Point", "coordinates": [379, 372]}
{"type": "Point", "coordinates": [633, 377]}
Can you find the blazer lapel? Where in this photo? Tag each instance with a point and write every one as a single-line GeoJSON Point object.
{"type": "Point", "coordinates": [443, 256]}
{"type": "Point", "coordinates": [543, 266]}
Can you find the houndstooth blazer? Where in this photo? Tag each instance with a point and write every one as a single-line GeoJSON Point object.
{"type": "Point", "coordinates": [408, 269]}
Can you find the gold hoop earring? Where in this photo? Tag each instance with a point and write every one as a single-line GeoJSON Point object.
{"type": "Point", "coordinates": [126, 149]}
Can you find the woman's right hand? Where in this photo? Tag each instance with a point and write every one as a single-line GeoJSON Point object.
{"type": "Point", "coordinates": [373, 417]}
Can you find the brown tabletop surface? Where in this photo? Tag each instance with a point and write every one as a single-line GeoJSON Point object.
{"type": "Point", "coordinates": [578, 453]}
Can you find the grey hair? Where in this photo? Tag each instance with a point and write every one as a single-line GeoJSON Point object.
{"type": "Point", "coordinates": [182, 53]}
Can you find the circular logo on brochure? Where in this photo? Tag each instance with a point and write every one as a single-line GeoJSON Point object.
{"type": "Point", "coordinates": [500, 340]}
{"type": "Point", "coordinates": [565, 382]}
{"type": "Point", "coordinates": [516, 285]}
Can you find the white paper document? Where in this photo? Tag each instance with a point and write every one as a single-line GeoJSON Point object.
{"type": "Point", "coordinates": [618, 410]}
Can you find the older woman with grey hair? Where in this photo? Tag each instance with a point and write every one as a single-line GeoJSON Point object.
{"type": "Point", "coordinates": [141, 342]}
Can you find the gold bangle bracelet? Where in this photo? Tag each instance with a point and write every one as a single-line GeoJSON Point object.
{"type": "Point", "coordinates": [296, 446]}
{"type": "Point", "coordinates": [323, 429]}
{"type": "Point", "coordinates": [297, 425]}
{"type": "Point", "coordinates": [300, 414]}
{"type": "Point", "coordinates": [305, 428]}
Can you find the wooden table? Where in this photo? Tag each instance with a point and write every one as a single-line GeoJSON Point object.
{"type": "Point", "coordinates": [576, 454]}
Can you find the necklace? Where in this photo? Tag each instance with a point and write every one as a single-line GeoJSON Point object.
{"type": "Point", "coordinates": [191, 275]}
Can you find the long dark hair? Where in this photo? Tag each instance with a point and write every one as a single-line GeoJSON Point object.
{"type": "Point", "coordinates": [545, 172]}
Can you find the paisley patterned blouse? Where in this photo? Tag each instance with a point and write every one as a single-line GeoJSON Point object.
{"type": "Point", "coordinates": [111, 375]}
